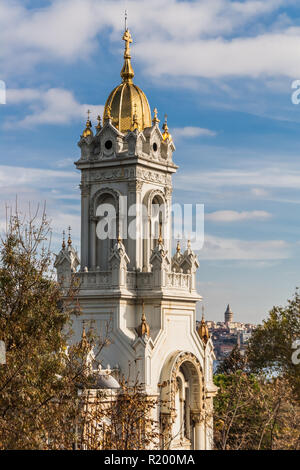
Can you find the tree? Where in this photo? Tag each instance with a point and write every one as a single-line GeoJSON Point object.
{"type": "Point", "coordinates": [233, 362]}
{"type": "Point", "coordinates": [257, 406]}
{"type": "Point", "coordinates": [40, 404]}
{"type": "Point", "coordinates": [32, 325]}
{"type": "Point", "coordinates": [270, 348]}
{"type": "Point", "coordinates": [123, 420]}
{"type": "Point", "coordinates": [252, 413]}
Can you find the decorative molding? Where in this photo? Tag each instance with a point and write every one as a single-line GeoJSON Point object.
{"type": "Point", "coordinates": [115, 194]}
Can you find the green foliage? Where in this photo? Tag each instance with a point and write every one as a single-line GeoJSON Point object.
{"type": "Point", "coordinates": [270, 347]}
{"type": "Point", "coordinates": [257, 406]}
{"type": "Point", "coordinates": [32, 325]}
{"type": "Point", "coordinates": [233, 362]}
{"type": "Point", "coordinates": [252, 413]}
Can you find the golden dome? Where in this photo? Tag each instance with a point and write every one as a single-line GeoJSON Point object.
{"type": "Point", "coordinates": [127, 105]}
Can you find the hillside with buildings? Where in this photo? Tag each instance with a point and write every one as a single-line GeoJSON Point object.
{"type": "Point", "coordinates": [229, 333]}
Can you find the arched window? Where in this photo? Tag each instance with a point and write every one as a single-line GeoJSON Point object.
{"type": "Point", "coordinates": [107, 226]}
{"type": "Point", "coordinates": [154, 224]}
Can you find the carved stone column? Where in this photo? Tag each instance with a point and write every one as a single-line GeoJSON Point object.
{"type": "Point", "coordinates": [135, 247]}
{"type": "Point", "coordinates": [199, 436]}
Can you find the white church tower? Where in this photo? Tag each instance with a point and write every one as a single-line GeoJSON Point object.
{"type": "Point", "coordinates": [132, 282]}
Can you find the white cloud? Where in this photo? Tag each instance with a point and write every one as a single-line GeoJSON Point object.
{"type": "Point", "coordinates": [191, 132]}
{"type": "Point", "coordinates": [217, 248]}
{"type": "Point", "coordinates": [267, 177]}
{"type": "Point", "coordinates": [265, 55]}
{"type": "Point", "coordinates": [14, 177]}
{"type": "Point", "coordinates": [53, 106]}
{"type": "Point", "coordinates": [69, 30]}
{"type": "Point", "coordinates": [234, 216]}
{"type": "Point", "coordinates": [35, 186]}
{"type": "Point", "coordinates": [260, 192]}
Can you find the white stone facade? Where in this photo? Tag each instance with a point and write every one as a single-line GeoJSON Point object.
{"type": "Point", "coordinates": [117, 276]}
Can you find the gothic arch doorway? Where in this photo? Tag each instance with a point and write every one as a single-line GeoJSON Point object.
{"type": "Point", "coordinates": [181, 396]}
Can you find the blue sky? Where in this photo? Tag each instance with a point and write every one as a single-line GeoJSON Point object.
{"type": "Point", "coordinates": [222, 70]}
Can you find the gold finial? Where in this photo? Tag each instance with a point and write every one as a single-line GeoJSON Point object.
{"type": "Point", "coordinates": [155, 120]}
{"type": "Point", "coordinates": [166, 134]}
{"type": "Point", "coordinates": [203, 329]}
{"type": "Point", "coordinates": [84, 343]}
{"type": "Point", "coordinates": [98, 127]}
{"type": "Point", "coordinates": [88, 126]}
{"type": "Point", "coordinates": [64, 240]}
{"type": "Point", "coordinates": [160, 239]}
{"type": "Point", "coordinates": [127, 72]}
{"type": "Point", "coordinates": [69, 236]}
{"type": "Point", "coordinates": [143, 329]}
{"type": "Point", "coordinates": [178, 247]}
{"type": "Point", "coordinates": [189, 246]}
{"type": "Point", "coordinates": [119, 238]}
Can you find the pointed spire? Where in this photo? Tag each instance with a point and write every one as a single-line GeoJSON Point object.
{"type": "Point", "coordinates": [99, 127]}
{"type": "Point", "coordinates": [88, 126]}
{"type": "Point", "coordinates": [166, 134]}
{"type": "Point", "coordinates": [160, 238]}
{"type": "Point", "coordinates": [127, 72]}
{"type": "Point", "coordinates": [126, 17]}
{"type": "Point", "coordinates": [178, 248]}
{"type": "Point", "coordinates": [143, 329]}
{"type": "Point", "coordinates": [63, 245]}
{"type": "Point", "coordinates": [84, 343]}
{"type": "Point", "coordinates": [155, 120]}
{"type": "Point", "coordinates": [69, 236]}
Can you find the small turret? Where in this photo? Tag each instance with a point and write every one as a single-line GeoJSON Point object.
{"type": "Point", "coordinates": [67, 260]}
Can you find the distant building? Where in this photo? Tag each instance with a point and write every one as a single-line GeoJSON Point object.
{"type": "Point", "coordinates": [226, 335]}
{"type": "Point", "coordinates": [228, 315]}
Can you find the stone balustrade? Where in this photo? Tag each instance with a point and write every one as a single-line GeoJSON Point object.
{"type": "Point", "coordinates": [134, 279]}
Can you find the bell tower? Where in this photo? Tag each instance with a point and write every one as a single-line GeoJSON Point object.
{"type": "Point", "coordinates": [128, 276]}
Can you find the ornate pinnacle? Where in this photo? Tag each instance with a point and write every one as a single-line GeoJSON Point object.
{"type": "Point", "coordinates": [155, 120]}
{"type": "Point", "coordinates": [98, 127]}
{"type": "Point", "coordinates": [166, 134]}
{"type": "Point", "coordinates": [127, 72]}
{"type": "Point", "coordinates": [87, 131]}
{"type": "Point", "coordinates": [63, 240]}
{"type": "Point", "coordinates": [69, 236]}
{"type": "Point", "coordinates": [144, 328]}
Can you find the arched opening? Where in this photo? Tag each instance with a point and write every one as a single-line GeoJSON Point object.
{"type": "Point", "coordinates": [154, 224]}
{"type": "Point", "coordinates": [105, 229]}
{"type": "Point", "coordinates": [181, 398]}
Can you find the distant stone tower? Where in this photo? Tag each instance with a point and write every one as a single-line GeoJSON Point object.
{"type": "Point", "coordinates": [228, 315]}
